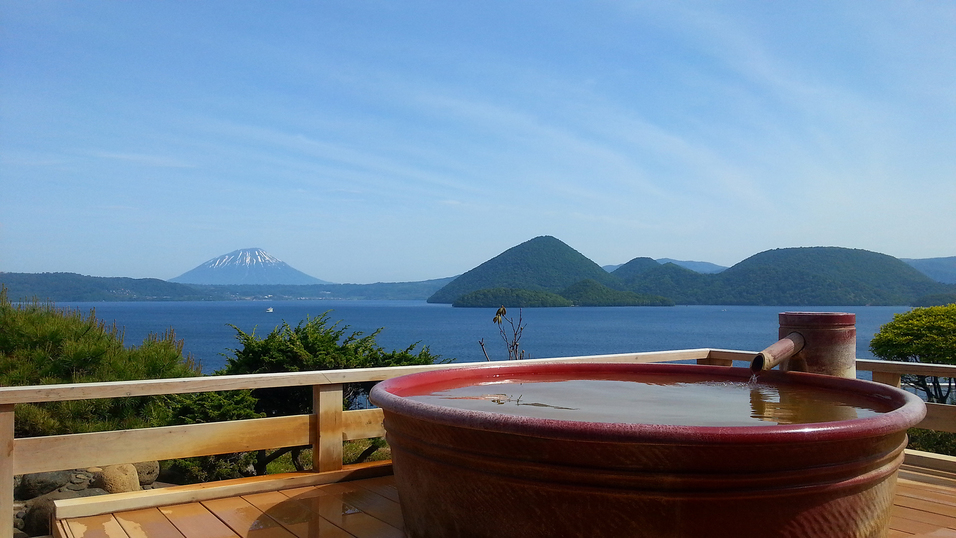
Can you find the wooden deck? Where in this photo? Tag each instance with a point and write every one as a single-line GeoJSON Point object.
{"type": "Point", "coordinates": [366, 508]}
{"type": "Point", "coordinates": [925, 506]}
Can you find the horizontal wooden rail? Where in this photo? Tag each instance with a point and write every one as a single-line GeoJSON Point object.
{"type": "Point", "coordinates": [939, 417]}
{"type": "Point", "coordinates": [77, 451]}
{"type": "Point", "coordinates": [910, 368]}
{"type": "Point", "coordinates": [37, 454]}
{"type": "Point", "coordinates": [156, 387]}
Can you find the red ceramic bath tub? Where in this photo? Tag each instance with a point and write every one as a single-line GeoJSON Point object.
{"type": "Point", "coordinates": [496, 471]}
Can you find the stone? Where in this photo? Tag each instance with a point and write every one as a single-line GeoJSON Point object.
{"type": "Point", "coordinates": [40, 509]}
{"type": "Point", "coordinates": [117, 478]}
{"type": "Point", "coordinates": [37, 484]}
{"type": "Point", "coordinates": [148, 472]}
{"type": "Point", "coordinates": [80, 480]}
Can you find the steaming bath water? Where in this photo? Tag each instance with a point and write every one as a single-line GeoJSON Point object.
{"type": "Point", "coordinates": [657, 399]}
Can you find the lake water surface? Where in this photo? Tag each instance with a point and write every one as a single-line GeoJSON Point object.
{"type": "Point", "coordinates": [455, 332]}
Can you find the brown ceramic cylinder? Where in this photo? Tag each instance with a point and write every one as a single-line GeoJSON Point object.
{"type": "Point", "coordinates": [830, 342]}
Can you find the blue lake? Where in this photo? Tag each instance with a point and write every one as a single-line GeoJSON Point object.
{"type": "Point", "coordinates": [455, 332]}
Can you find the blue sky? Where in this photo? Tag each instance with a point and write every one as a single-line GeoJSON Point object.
{"type": "Point", "coordinates": [393, 141]}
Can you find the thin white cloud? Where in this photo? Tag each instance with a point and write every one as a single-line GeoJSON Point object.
{"type": "Point", "coordinates": [142, 159]}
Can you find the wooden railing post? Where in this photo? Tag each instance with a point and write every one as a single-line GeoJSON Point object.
{"type": "Point", "coordinates": [6, 471]}
{"type": "Point", "coordinates": [327, 406]}
{"type": "Point", "coordinates": [888, 378]}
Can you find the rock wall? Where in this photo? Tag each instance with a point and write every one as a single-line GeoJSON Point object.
{"type": "Point", "coordinates": [34, 493]}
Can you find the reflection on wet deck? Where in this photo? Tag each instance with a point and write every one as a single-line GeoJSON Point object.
{"type": "Point", "coordinates": [925, 506]}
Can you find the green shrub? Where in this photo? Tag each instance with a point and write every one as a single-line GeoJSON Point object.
{"type": "Point", "coordinates": [204, 407]}
{"type": "Point", "coordinates": [922, 335]}
{"type": "Point", "coordinates": [932, 441]}
{"type": "Point", "coordinates": [313, 344]}
{"type": "Point", "coordinates": [42, 345]}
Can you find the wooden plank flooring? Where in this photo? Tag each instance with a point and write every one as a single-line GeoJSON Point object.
{"type": "Point", "coordinates": [924, 507]}
{"type": "Point", "coordinates": [925, 504]}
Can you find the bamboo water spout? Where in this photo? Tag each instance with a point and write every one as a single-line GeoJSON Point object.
{"type": "Point", "coordinates": [778, 352]}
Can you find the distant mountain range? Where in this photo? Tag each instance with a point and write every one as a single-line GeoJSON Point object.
{"type": "Point", "coordinates": [700, 267]}
{"type": "Point", "coordinates": [246, 266]}
{"type": "Point", "coordinates": [546, 272]}
{"type": "Point", "coordinates": [793, 276]}
{"type": "Point", "coordinates": [73, 288]}
{"type": "Point", "coordinates": [939, 269]}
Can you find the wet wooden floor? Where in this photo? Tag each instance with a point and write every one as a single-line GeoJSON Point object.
{"type": "Point", "coordinates": [924, 507]}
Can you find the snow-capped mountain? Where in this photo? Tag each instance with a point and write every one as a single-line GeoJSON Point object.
{"type": "Point", "coordinates": [246, 266]}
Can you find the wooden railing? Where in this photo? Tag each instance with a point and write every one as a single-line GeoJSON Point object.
{"type": "Point", "coordinates": [939, 417]}
{"type": "Point", "coordinates": [324, 430]}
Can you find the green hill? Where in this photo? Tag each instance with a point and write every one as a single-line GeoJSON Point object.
{"type": "Point", "coordinates": [798, 277]}
{"type": "Point", "coordinates": [74, 287]}
{"type": "Point", "coordinates": [805, 276]}
{"type": "Point", "coordinates": [826, 276]}
{"type": "Point", "coordinates": [634, 268]}
{"type": "Point", "coordinates": [677, 283]}
{"type": "Point", "coordinates": [541, 264]}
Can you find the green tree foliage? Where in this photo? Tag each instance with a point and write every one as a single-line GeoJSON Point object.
{"type": "Point", "coordinates": [924, 335]}
{"type": "Point", "coordinates": [932, 441]}
{"type": "Point", "coordinates": [205, 407]}
{"type": "Point", "coordinates": [313, 344]}
{"type": "Point", "coordinates": [591, 293]}
{"type": "Point", "coordinates": [938, 299]}
{"type": "Point", "coordinates": [511, 297]}
{"type": "Point", "coordinates": [41, 344]}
